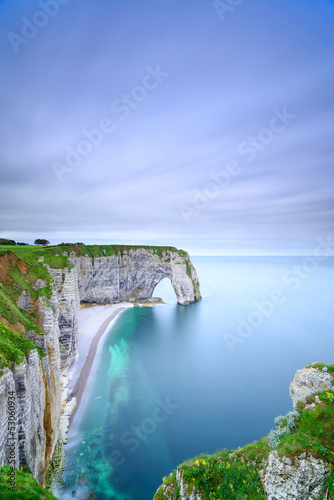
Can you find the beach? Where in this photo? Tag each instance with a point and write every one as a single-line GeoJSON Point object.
{"type": "Point", "coordinates": [94, 322]}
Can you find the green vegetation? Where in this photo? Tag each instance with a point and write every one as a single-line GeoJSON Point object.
{"type": "Point", "coordinates": [28, 280]}
{"type": "Point", "coordinates": [57, 256]}
{"type": "Point", "coordinates": [320, 366]}
{"type": "Point", "coordinates": [235, 474]}
{"type": "Point", "coordinates": [314, 431]}
{"type": "Point", "coordinates": [26, 487]}
{"type": "Point", "coordinates": [10, 311]}
{"type": "Point", "coordinates": [4, 241]}
{"type": "Point", "coordinates": [41, 242]}
{"type": "Point", "coordinates": [110, 250]}
{"type": "Point", "coordinates": [14, 348]}
{"type": "Point", "coordinates": [188, 269]}
{"type": "Point", "coordinates": [219, 476]}
{"type": "Point", "coordinates": [32, 255]}
{"type": "Point", "coordinates": [19, 277]}
{"type": "Point", "coordinates": [284, 426]}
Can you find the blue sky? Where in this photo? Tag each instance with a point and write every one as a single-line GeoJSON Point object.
{"type": "Point", "coordinates": [184, 123]}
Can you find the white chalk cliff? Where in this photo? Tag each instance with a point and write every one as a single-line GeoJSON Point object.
{"type": "Point", "coordinates": [130, 275]}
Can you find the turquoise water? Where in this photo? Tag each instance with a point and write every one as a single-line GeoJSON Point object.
{"type": "Point", "coordinates": [174, 381]}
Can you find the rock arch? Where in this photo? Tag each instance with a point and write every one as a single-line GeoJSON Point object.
{"type": "Point", "coordinates": [133, 275]}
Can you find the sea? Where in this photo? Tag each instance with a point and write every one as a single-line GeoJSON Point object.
{"type": "Point", "coordinates": [170, 381]}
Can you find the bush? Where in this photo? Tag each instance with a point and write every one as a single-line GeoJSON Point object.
{"type": "Point", "coordinates": [284, 426]}
{"type": "Point", "coordinates": [280, 421]}
{"type": "Point", "coordinates": [4, 241]}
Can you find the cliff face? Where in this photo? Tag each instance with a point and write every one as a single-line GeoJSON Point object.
{"type": "Point", "coordinates": [25, 384]}
{"type": "Point", "coordinates": [41, 291]}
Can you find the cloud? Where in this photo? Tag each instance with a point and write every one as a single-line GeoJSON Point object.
{"type": "Point", "coordinates": [225, 79]}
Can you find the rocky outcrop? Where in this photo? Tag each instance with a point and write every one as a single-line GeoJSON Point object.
{"type": "Point", "coordinates": [133, 276]}
{"type": "Point", "coordinates": [295, 478]}
{"type": "Point", "coordinates": [66, 306]}
{"type": "Point", "coordinates": [309, 382]}
{"type": "Point", "coordinates": [130, 275]}
{"type": "Point", "coordinates": [184, 488]}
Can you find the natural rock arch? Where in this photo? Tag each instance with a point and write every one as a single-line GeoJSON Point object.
{"type": "Point", "coordinates": [133, 275]}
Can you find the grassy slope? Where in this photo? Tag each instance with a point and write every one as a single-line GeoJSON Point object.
{"type": "Point", "coordinates": [234, 474]}
{"type": "Point", "coordinates": [25, 485]}
{"type": "Point", "coordinates": [14, 348]}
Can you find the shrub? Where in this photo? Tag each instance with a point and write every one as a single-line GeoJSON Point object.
{"type": "Point", "coordinates": [284, 426]}
{"type": "Point", "coordinates": [4, 241]}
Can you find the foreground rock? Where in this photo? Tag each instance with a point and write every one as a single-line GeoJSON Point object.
{"type": "Point", "coordinates": [309, 382]}
{"type": "Point", "coordinates": [297, 478]}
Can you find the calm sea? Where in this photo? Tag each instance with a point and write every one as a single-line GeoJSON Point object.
{"type": "Point", "coordinates": [174, 381]}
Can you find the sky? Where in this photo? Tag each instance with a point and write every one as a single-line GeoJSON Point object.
{"type": "Point", "coordinates": [204, 125]}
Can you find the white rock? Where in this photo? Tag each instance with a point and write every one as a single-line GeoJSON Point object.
{"type": "Point", "coordinates": [308, 382]}
{"type": "Point", "coordinates": [302, 479]}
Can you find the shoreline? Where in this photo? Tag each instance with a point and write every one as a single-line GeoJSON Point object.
{"type": "Point", "coordinates": [80, 385]}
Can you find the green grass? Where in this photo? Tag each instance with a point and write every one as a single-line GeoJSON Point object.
{"type": "Point", "coordinates": [320, 366]}
{"type": "Point", "coordinates": [14, 347]}
{"type": "Point", "coordinates": [55, 258]}
{"type": "Point", "coordinates": [25, 485]}
{"type": "Point", "coordinates": [314, 431]}
{"type": "Point", "coordinates": [10, 311]}
{"type": "Point", "coordinates": [26, 281]}
{"type": "Point", "coordinates": [188, 269]}
{"type": "Point", "coordinates": [217, 476]}
{"type": "Point", "coordinates": [228, 474]}
{"type": "Point", "coordinates": [110, 250]}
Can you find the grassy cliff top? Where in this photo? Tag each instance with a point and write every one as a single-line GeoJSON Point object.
{"type": "Point", "coordinates": [57, 256]}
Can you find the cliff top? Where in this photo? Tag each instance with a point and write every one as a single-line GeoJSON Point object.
{"type": "Point", "coordinates": [56, 256]}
